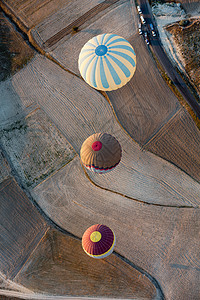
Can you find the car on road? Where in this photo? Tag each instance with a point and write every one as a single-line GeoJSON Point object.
{"type": "Point", "coordinates": [146, 38]}
{"type": "Point", "coordinates": [142, 19]}
{"type": "Point", "coordinates": [139, 9]}
{"type": "Point", "coordinates": [140, 28]}
{"type": "Point", "coordinates": [152, 30]}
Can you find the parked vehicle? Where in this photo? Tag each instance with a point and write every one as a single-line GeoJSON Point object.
{"type": "Point", "coordinates": [139, 9]}
{"type": "Point", "coordinates": [142, 19]}
{"type": "Point", "coordinates": [152, 30]}
{"type": "Point", "coordinates": [146, 38]}
{"type": "Point", "coordinates": [140, 28]}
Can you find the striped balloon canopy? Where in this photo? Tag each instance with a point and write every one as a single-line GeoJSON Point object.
{"type": "Point", "coordinates": [98, 241]}
{"type": "Point", "coordinates": [107, 62]}
{"type": "Point", "coordinates": [101, 152]}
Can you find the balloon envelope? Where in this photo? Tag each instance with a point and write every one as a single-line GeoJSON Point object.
{"type": "Point", "coordinates": [98, 241]}
{"type": "Point", "coordinates": [107, 62]}
{"type": "Point", "coordinates": [101, 152]}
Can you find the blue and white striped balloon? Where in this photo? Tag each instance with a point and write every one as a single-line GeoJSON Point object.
{"type": "Point", "coordinates": [107, 62]}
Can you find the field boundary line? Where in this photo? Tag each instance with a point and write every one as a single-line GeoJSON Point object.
{"type": "Point", "coordinates": [162, 129]}
{"type": "Point", "coordinates": [131, 198]}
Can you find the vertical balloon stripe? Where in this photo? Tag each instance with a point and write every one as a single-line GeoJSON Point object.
{"type": "Point", "coordinates": [95, 39]}
{"type": "Point", "coordinates": [85, 67]}
{"type": "Point", "coordinates": [82, 58]}
{"type": "Point", "coordinates": [92, 73]}
{"type": "Point", "coordinates": [127, 57]}
{"type": "Point", "coordinates": [108, 38]}
{"type": "Point", "coordinates": [97, 74]}
{"type": "Point", "coordinates": [103, 75]}
{"type": "Point", "coordinates": [113, 73]}
{"type": "Point", "coordinates": [102, 40]}
{"type": "Point", "coordinates": [125, 62]}
{"type": "Point", "coordinates": [121, 65]}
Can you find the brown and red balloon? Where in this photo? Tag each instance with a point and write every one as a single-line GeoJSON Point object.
{"type": "Point", "coordinates": [101, 152]}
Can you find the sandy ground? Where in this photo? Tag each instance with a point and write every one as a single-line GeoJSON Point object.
{"type": "Point", "coordinates": [169, 13]}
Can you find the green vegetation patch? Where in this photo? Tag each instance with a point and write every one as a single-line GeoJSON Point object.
{"type": "Point", "coordinates": [36, 147]}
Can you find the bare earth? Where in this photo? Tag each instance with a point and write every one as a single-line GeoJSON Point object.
{"type": "Point", "coordinates": [187, 40]}
{"type": "Point", "coordinates": [61, 256]}
{"type": "Point", "coordinates": [151, 204]}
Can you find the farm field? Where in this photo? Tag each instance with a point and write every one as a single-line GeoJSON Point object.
{"type": "Point", "coordinates": [14, 50]}
{"type": "Point", "coordinates": [48, 199]}
{"type": "Point", "coordinates": [32, 252]}
{"type": "Point", "coordinates": [64, 269]}
{"type": "Point", "coordinates": [33, 12]}
{"type": "Point", "coordinates": [77, 117]}
{"type": "Point", "coordinates": [141, 106]}
{"type": "Point", "coordinates": [174, 141]}
{"type": "Point", "coordinates": [35, 147]}
{"type": "Point", "coordinates": [19, 237]}
{"type": "Point", "coordinates": [4, 168]}
{"type": "Point", "coordinates": [104, 21]}
{"type": "Point", "coordinates": [155, 238]}
{"type": "Point", "coordinates": [142, 113]}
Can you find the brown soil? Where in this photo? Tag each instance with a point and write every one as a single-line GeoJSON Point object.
{"type": "Point", "coordinates": [59, 266]}
{"type": "Point", "coordinates": [187, 40]}
{"type": "Point", "coordinates": [14, 51]}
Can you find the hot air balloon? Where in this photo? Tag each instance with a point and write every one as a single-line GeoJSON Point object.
{"type": "Point", "coordinates": [98, 241]}
{"type": "Point", "coordinates": [107, 62]}
{"type": "Point", "coordinates": [101, 152]}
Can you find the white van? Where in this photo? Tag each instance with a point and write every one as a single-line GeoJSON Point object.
{"type": "Point", "coordinates": [139, 10]}
{"type": "Point", "coordinates": [142, 19]}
